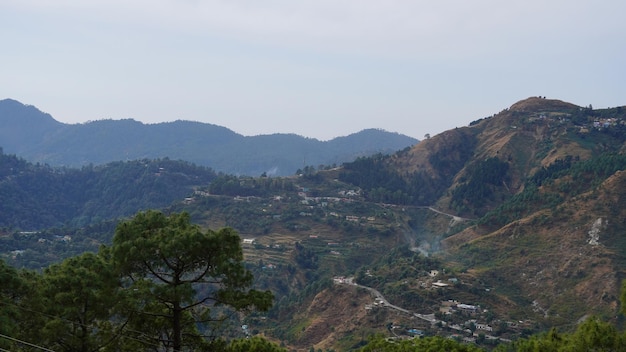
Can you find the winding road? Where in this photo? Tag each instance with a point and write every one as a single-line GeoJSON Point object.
{"type": "Point", "coordinates": [427, 317]}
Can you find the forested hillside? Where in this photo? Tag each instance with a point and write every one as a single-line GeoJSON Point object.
{"type": "Point", "coordinates": [37, 137]}
{"type": "Point", "coordinates": [36, 196]}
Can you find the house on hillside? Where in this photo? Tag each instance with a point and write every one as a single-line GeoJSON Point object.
{"type": "Point", "coordinates": [483, 327]}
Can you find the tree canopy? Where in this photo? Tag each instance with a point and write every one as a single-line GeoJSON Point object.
{"type": "Point", "coordinates": [179, 273]}
{"type": "Point", "coordinates": [162, 286]}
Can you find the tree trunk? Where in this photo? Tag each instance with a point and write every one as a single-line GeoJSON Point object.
{"type": "Point", "coordinates": [176, 327]}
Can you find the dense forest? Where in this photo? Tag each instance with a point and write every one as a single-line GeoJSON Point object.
{"type": "Point", "coordinates": [37, 196]}
{"type": "Point", "coordinates": [230, 185]}
{"type": "Point", "coordinates": [384, 184]}
{"type": "Point", "coordinates": [575, 177]}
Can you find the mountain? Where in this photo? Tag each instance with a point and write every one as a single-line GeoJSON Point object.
{"type": "Point", "coordinates": [37, 137]}
{"type": "Point", "coordinates": [537, 194]}
{"type": "Point", "coordinates": [520, 214]}
{"type": "Point", "coordinates": [514, 223]}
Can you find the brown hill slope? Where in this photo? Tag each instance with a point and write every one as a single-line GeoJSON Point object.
{"type": "Point", "coordinates": [542, 181]}
{"type": "Point", "coordinates": [564, 263]}
{"type": "Point", "coordinates": [527, 204]}
{"type": "Point", "coordinates": [557, 252]}
{"type": "Point", "coordinates": [531, 134]}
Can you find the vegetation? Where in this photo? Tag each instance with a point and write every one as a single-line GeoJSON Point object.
{"type": "Point", "coordinates": [39, 138]}
{"type": "Point", "coordinates": [163, 297]}
{"type": "Point", "coordinates": [82, 299]}
{"type": "Point", "coordinates": [429, 344]}
{"type": "Point", "coordinates": [542, 183]}
{"type": "Point", "coordinates": [36, 197]}
{"type": "Point", "coordinates": [177, 271]}
{"type": "Point", "coordinates": [39, 249]}
{"type": "Point", "coordinates": [591, 335]}
{"type": "Point", "coordinates": [230, 185]}
{"type": "Point", "coordinates": [575, 177]}
{"type": "Point", "coordinates": [253, 344]}
{"type": "Point", "coordinates": [478, 186]}
{"type": "Point", "coordinates": [385, 185]}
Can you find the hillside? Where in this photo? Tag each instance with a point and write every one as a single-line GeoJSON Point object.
{"type": "Point", "coordinates": [36, 197]}
{"type": "Point", "coordinates": [566, 261]}
{"type": "Point", "coordinates": [39, 138]}
{"type": "Point", "coordinates": [540, 179]}
{"type": "Point", "coordinates": [534, 234]}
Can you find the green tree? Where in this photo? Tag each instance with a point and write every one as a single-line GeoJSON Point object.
{"type": "Point", "coordinates": [254, 344]}
{"type": "Point", "coordinates": [551, 341]}
{"type": "Point", "coordinates": [623, 298]}
{"type": "Point", "coordinates": [11, 289]}
{"type": "Point", "coordinates": [178, 273]}
{"type": "Point", "coordinates": [80, 297]}
{"type": "Point", "coordinates": [596, 335]}
{"type": "Point", "coordinates": [427, 344]}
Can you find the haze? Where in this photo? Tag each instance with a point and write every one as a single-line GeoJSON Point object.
{"type": "Point", "coordinates": [315, 68]}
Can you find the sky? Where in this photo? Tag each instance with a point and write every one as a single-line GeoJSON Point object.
{"type": "Point", "coordinates": [320, 69]}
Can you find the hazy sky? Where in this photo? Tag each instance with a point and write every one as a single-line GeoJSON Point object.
{"type": "Point", "coordinates": [321, 69]}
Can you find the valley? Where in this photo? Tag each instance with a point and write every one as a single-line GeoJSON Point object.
{"type": "Point", "coordinates": [487, 233]}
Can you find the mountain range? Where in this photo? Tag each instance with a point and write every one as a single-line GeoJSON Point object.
{"type": "Point", "coordinates": [38, 137]}
{"type": "Point", "coordinates": [520, 213]}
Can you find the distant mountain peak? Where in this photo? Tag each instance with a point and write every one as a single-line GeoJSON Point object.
{"type": "Point", "coordinates": [36, 136]}
{"type": "Point", "coordinates": [10, 108]}
{"type": "Point", "coordinates": [10, 101]}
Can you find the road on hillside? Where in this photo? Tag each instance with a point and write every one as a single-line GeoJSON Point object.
{"type": "Point", "coordinates": [454, 217]}
{"type": "Point", "coordinates": [379, 296]}
{"type": "Point", "coordinates": [428, 317]}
